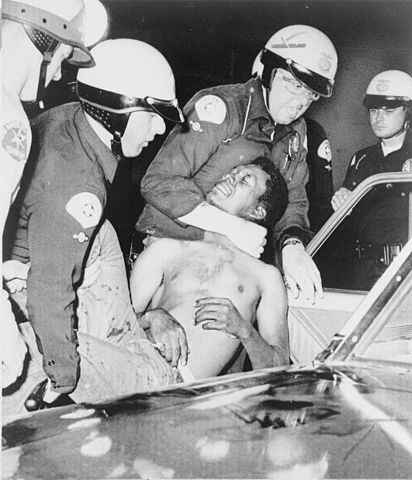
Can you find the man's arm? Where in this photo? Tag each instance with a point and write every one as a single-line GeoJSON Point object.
{"type": "Point", "coordinates": [170, 185]}
{"type": "Point", "coordinates": [269, 345]}
{"type": "Point", "coordinates": [145, 281]}
{"type": "Point", "coordinates": [292, 233]}
{"type": "Point", "coordinates": [271, 316]}
{"type": "Point", "coordinates": [59, 231]}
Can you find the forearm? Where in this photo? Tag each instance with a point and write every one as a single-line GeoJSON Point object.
{"type": "Point", "coordinates": [261, 353]}
{"type": "Point", "coordinates": [295, 218]}
{"type": "Point", "coordinates": [169, 184]}
{"type": "Point", "coordinates": [52, 315]}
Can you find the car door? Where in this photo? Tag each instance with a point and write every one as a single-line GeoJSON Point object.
{"type": "Point", "coordinates": [312, 326]}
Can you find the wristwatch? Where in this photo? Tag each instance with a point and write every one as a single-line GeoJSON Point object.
{"type": "Point", "coordinates": [292, 241]}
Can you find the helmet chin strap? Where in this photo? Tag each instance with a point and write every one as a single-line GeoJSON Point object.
{"type": "Point", "coordinates": [116, 144]}
{"type": "Point", "coordinates": [114, 123]}
{"type": "Point", "coordinates": [46, 45]}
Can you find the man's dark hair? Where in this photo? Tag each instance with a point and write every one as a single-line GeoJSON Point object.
{"type": "Point", "coordinates": [275, 198]}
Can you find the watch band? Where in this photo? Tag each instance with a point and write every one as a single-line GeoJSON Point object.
{"type": "Point", "coordinates": [292, 241]}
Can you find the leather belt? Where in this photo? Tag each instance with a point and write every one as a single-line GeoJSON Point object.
{"type": "Point", "coordinates": [385, 252]}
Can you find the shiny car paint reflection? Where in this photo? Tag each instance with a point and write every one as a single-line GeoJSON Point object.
{"type": "Point", "coordinates": [300, 423]}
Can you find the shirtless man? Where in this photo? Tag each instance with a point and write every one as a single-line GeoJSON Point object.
{"type": "Point", "coordinates": [213, 289]}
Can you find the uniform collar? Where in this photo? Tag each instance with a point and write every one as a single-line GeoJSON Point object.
{"type": "Point", "coordinates": [258, 107]}
{"type": "Point", "coordinates": [94, 146]}
{"type": "Point", "coordinates": [393, 144]}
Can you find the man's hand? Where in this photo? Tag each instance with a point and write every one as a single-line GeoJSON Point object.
{"type": "Point", "coordinates": [214, 313]}
{"type": "Point", "coordinates": [248, 236]}
{"type": "Point", "coordinates": [340, 197]}
{"type": "Point", "coordinates": [15, 275]}
{"type": "Point", "coordinates": [169, 336]}
{"type": "Point", "coordinates": [301, 274]}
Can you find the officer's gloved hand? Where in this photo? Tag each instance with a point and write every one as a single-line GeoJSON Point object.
{"type": "Point", "coordinates": [340, 197]}
{"type": "Point", "coordinates": [302, 276]}
{"type": "Point", "coordinates": [15, 275]}
{"type": "Point", "coordinates": [248, 236]}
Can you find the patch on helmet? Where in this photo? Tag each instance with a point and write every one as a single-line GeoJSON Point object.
{"type": "Point", "coordinates": [211, 108]}
{"type": "Point", "coordinates": [382, 85]}
{"type": "Point", "coordinates": [407, 166]}
{"type": "Point", "coordinates": [14, 140]}
{"type": "Point", "coordinates": [324, 150]}
{"type": "Point", "coordinates": [86, 208]}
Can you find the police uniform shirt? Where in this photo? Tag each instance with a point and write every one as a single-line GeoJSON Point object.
{"type": "Point", "coordinates": [61, 211]}
{"type": "Point", "coordinates": [383, 215]}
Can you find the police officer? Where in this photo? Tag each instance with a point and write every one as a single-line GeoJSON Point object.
{"type": "Point", "coordinates": [36, 36]}
{"type": "Point", "coordinates": [380, 227]}
{"type": "Point", "coordinates": [77, 147]}
{"type": "Point", "coordinates": [229, 125]}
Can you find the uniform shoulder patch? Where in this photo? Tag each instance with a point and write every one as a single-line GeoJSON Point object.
{"type": "Point", "coordinates": [14, 140]}
{"type": "Point", "coordinates": [407, 166]}
{"type": "Point", "coordinates": [324, 150]}
{"type": "Point", "coordinates": [86, 208]}
{"type": "Point", "coordinates": [211, 108]}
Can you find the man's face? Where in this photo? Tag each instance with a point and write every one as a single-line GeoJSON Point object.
{"type": "Point", "coordinates": [387, 122]}
{"type": "Point", "coordinates": [288, 98]}
{"type": "Point", "coordinates": [141, 129]}
{"type": "Point", "coordinates": [239, 192]}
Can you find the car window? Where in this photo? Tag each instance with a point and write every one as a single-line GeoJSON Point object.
{"type": "Point", "coordinates": [392, 339]}
{"type": "Point", "coordinates": [365, 242]}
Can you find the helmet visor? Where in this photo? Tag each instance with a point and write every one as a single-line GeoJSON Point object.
{"type": "Point", "coordinates": [168, 109]}
{"type": "Point", "coordinates": [312, 80]}
{"type": "Point", "coordinates": [117, 103]}
{"type": "Point", "coordinates": [376, 101]}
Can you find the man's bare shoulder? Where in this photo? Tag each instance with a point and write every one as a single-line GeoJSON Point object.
{"type": "Point", "coordinates": [155, 245]}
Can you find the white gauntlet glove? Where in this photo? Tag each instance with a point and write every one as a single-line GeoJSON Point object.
{"type": "Point", "coordinates": [247, 236]}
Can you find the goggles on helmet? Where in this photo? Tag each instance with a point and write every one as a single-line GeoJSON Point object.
{"type": "Point", "coordinates": [117, 103]}
{"type": "Point", "coordinates": [42, 25]}
{"type": "Point", "coordinates": [376, 101]}
{"type": "Point", "coordinates": [312, 80]}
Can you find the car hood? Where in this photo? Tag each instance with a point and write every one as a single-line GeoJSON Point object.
{"type": "Point", "coordinates": [336, 421]}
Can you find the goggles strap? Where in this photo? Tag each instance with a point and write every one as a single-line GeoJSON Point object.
{"type": "Point", "coordinates": [46, 45]}
{"type": "Point", "coordinates": [115, 123]}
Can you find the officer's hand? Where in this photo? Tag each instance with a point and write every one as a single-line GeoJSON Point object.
{"type": "Point", "coordinates": [302, 276]}
{"type": "Point", "coordinates": [168, 335]}
{"type": "Point", "coordinates": [214, 313]}
{"type": "Point", "coordinates": [340, 197]}
{"type": "Point", "coordinates": [15, 275]}
{"type": "Point", "coordinates": [12, 345]}
{"type": "Point", "coordinates": [248, 236]}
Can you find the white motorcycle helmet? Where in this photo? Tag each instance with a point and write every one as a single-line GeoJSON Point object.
{"type": "Point", "coordinates": [306, 52]}
{"type": "Point", "coordinates": [129, 75]}
{"type": "Point", "coordinates": [391, 88]}
{"type": "Point", "coordinates": [49, 23]}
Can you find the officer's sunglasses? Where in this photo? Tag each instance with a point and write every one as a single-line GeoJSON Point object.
{"type": "Point", "coordinates": [316, 83]}
{"type": "Point", "coordinates": [117, 103]}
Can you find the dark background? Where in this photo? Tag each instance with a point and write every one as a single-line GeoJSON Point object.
{"type": "Point", "coordinates": [214, 42]}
